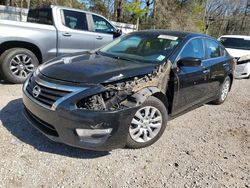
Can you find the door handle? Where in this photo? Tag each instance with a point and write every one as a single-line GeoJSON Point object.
{"type": "Point", "coordinates": [99, 38]}
{"type": "Point", "coordinates": [206, 71]}
{"type": "Point", "coordinates": [67, 34]}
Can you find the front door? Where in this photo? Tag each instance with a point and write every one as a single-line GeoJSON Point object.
{"type": "Point", "coordinates": [190, 81]}
{"type": "Point", "coordinates": [103, 31]}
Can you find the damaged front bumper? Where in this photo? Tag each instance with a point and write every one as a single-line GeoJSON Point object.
{"type": "Point", "coordinates": [102, 130]}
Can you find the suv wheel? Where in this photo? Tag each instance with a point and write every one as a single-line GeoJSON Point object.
{"type": "Point", "coordinates": [224, 90]}
{"type": "Point", "coordinates": [148, 124]}
{"type": "Point", "coordinates": [16, 64]}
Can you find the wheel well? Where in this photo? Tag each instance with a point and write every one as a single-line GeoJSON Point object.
{"type": "Point", "coordinates": [19, 44]}
{"type": "Point", "coordinates": [164, 100]}
{"type": "Point", "coordinates": [231, 79]}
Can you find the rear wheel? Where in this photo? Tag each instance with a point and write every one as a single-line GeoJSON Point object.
{"type": "Point", "coordinates": [16, 64]}
{"type": "Point", "coordinates": [224, 90]}
{"type": "Point", "coordinates": [148, 124]}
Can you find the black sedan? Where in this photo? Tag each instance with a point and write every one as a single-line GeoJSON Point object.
{"type": "Point", "coordinates": [124, 93]}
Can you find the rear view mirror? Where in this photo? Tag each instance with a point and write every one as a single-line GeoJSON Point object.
{"type": "Point", "coordinates": [189, 62]}
{"type": "Point", "coordinates": [117, 33]}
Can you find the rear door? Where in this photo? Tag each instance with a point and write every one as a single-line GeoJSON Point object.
{"type": "Point", "coordinates": [74, 35]}
{"type": "Point", "coordinates": [192, 85]}
{"type": "Point", "coordinates": [103, 31]}
{"type": "Point", "coordinates": [216, 63]}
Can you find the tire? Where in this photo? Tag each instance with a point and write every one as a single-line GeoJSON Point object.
{"type": "Point", "coordinates": [224, 90]}
{"type": "Point", "coordinates": [16, 64]}
{"type": "Point", "coordinates": [154, 124]}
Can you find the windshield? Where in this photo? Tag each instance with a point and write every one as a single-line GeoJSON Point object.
{"type": "Point", "coordinates": [149, 48]}
{"type": "Point", "coordinates": [236, 43]}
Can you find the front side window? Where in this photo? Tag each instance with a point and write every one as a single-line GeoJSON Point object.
{"type": "Point", "coordinates": [194, 48]}
{"type": "Point", "coordinates": [149, 48]}
{"type": "Point", "coordinates": [101, 25]}
{"type": "Point", "coordinates": [75, 20]}
{"type": "Point", "coordinates": [213, 48]}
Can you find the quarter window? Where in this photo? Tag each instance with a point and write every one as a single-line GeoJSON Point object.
{"type": "Point", "coordinates": [194, 48]}
{"type": "Point", "coordinates": [101, 25]}
{"type": "Point", "coordinates": [213, 49]}
{"type": "Point", "coordinates": [75, 20]}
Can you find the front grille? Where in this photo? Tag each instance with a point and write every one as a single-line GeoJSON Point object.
{"type": "Point", "coordinates": [41, 125]}
{"type": "Point", "coordinates": [47, 95]}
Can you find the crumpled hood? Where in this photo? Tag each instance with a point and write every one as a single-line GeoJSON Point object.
{"type": "Point", "coordinates": [92, 68]}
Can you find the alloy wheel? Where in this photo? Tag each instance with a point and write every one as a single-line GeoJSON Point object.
{"type": "Point", "coordinates": [146, 124]}
{"type": "Point", "coordinates": [21, 65]}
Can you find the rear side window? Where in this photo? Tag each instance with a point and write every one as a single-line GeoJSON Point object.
{"type": "Point", "coordinates": [40, 16]}
{"type": "Point", "coordinates": [75, 20]}
{"type": "Point", "coordinates": [213, 49]}
{"type": "Point", "coordinates": [236, 43]}
{"type": "Point", "coordinates": [101, 25]}
{"type": "Point", "coordinates": [194, 48]}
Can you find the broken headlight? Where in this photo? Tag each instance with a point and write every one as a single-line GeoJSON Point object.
{"type": "Point", "coordinates": [111, 99]}
{"type": "Point", "coordinates": [101, 101]}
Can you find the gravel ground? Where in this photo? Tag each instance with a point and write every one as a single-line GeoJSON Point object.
{"type": "Point", "coordinates": [207, 147]}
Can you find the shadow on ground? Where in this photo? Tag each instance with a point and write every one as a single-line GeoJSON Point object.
{"type": "Point", "coordinates": [12, 118]}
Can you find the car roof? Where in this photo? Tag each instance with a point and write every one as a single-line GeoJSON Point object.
{"type": "Point", "coordinates": [181, 34]}
{"type": "Point", "coordinates": [236, 36]}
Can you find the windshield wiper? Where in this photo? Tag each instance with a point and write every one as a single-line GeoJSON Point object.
{"type": "Point", "coordinates": [116, 56]}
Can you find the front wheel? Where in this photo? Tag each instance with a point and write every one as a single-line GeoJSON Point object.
{"type": "Point", "coordinates": [224, 90]}
{"type": "Point", "coordinates": [148, 124]}
{"type": "Point", "coordinates": [16, 64]}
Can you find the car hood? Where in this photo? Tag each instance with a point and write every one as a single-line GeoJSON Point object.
{"type": "Point", "coordinates": [237, 52]}
{"type": "Point", "coordinates": [93, 68]}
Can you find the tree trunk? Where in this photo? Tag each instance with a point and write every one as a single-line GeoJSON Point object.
{"type": "Point", "coordinates": [119, 11]}
{"type": "Point", "coordinates": [8, 2]}
{"type": "Point", "coordinates": [155, 4]}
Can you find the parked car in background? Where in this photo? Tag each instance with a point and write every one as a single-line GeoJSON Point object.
{"type": "Point", "coordinates": [124, 93]}
{"type": "Point", "coordinates": [238, 46]}
{"type": "Point", "coordinates": [48, 33]}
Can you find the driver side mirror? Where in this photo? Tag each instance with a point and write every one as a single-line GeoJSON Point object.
{"type": "Point", "coordinates": [117, 33]}
{"type": "Point", "coordinates": [189, 62]}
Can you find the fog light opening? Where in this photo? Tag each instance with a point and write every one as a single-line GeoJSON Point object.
{"type": "Point", "coordinates": [94, 136]}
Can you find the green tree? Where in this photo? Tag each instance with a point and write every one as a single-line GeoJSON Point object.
{"type": "Point", "coordinates": [134, 11]}
{"type": "Point", "coordinates": [99, 7]}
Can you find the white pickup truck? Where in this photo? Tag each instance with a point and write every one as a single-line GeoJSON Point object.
{"type": "Point", "coordinates": [49, 32]}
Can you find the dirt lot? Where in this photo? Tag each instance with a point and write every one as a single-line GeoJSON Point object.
{"type": "Point", "coordinates": [208, 147]}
